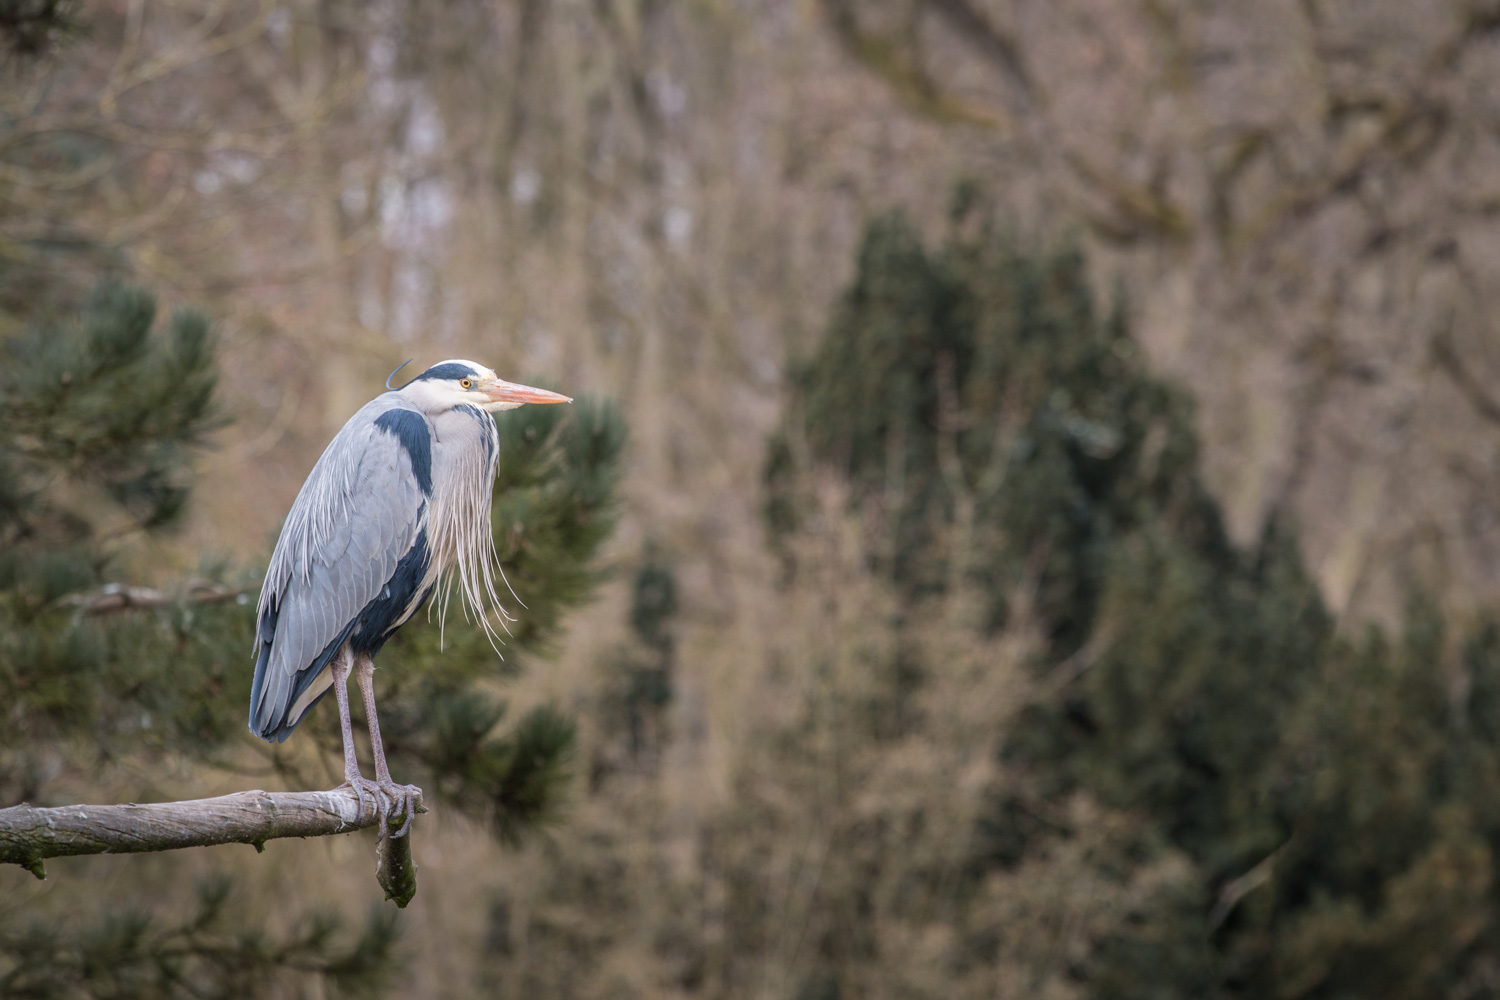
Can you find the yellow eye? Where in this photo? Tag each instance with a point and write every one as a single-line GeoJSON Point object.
{"type": "Point", "coordinates": [466, 383]}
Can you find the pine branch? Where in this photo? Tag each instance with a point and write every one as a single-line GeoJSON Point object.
{"type": "Point", "coordinates": [31, 834]}
{"type": "Point", "coordinates": [113, 597]}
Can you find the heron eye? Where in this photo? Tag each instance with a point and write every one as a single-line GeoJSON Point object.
{"type": "Point", "coordinates": [466, 383]}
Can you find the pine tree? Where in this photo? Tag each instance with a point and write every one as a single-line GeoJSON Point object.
{"type": "Point", "coordinates": [212, 952]}
{"type": "Point", "coordinates": [99, 419]}
{"type": "Point", "coordinates": [1276, 809]}
{"type": "Point", "coordinates": [638, 679]}
{"type": "Point", "coordinates": [101, 416]}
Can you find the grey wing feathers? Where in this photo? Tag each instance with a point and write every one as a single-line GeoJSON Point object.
{"type": "Point", "coordinates": [359, 512]}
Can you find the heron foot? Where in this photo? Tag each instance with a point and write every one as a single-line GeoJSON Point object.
{"type": "Point", "coordinates": [363, 787]}
{"type": "Point", "coordinates": [406, 796]}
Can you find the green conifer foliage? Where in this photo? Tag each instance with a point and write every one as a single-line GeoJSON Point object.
{"type": "Point", "coordinates": [99, 419]}
{"type": "Point", "coordinates": [637, 679]}
{"type": "Point", "coordinates": [211, 953]}
{"type": "Point", "coordinates": [100, 416]}
{"type": "Point", "coordinates": [980, 383]}
{"type": "Point", "coordinates": [1285, 811]}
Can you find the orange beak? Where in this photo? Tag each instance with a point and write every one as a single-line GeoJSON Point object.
{"type": "Point", "coordinates": [502, 391]}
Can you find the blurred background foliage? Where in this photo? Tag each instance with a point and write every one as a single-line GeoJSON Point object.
{"type": "Point", "coordinates": [1054, 553]}
{"type": "Point", "coordinates": [1302, 812]}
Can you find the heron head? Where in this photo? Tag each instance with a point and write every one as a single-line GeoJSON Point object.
{"type": "Point", "coordinates": [455, 383]}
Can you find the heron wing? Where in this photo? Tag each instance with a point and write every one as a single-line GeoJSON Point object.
{"type": "Point", "coordinates": [357, 525]}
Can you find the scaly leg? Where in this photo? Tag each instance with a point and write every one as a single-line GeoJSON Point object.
{"type": "Point", "coordinates": [405, 794]}
{"type": "Point", "coordinates": [361, 785]}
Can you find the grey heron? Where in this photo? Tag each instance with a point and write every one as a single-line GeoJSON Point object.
{"type": "Point", "coordinates": [397, 507]}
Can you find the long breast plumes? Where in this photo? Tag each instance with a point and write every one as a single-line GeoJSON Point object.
{"type": "Point", "coordinates": [463, 542]}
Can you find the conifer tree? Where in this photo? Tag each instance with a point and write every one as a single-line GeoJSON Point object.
{"type": "Point", "coordinates": [638, 678]}
{"type": "Point", "coordinates": [1286, 811]}
{"type": "Point", "coordinates": [100, 418]}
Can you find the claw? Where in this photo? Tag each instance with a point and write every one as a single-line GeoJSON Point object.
{"type": "Point", "coordinates": [405, 827]}
{"type": "Point", "coordinates": [406, 796]}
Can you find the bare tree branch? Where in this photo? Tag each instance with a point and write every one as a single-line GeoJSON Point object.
{"type": "Point", "coordinates": [896, 61]}
{"type": "Point", "coordinates": [30, 834]}
{"type": "Point", "coordinates": [1237, 889]}
{"type": "Point", "coordinates": [113, 597]}
{"type": "Point", "coordinates": [998, 46]}
{"type": "Point", "coordinates": [1470, 385]}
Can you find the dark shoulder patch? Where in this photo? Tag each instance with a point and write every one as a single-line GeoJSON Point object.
{"type": "Point", "coordinates": [448, 371]}
{"type": "Point", "coordinates": [410, 428]}
{"type": "Point", "coordinates": [388, 610]}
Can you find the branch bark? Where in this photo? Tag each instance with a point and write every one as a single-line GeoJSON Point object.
{"type": "Point", "coordinates": [31, 834]}
{"type": "Point", "coordinates": [113, 597]}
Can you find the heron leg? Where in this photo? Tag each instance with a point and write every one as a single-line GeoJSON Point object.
{"type": "Point", "coordinates": [405, 794]}
{"type": "Point", "coordinates": [352, 777]}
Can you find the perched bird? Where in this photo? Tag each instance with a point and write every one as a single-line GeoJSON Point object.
{"type": "Point", "coordinates": [397, 507]}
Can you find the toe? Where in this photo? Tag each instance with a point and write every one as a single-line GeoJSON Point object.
{"type": "Point", "coordinates": [404, 797]}
{"type": "Point", "coordinates": [405, 827]}
{"type": "Point", "coordinates": [359, 798]}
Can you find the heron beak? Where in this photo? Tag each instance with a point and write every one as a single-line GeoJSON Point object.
{"type": "Point", "coordinates": [502, 391]}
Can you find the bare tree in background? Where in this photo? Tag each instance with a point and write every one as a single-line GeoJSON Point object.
{"type": "Point", "coordinates": [663, 200]}
{"type": "Point", "coordinates": [1297, 197]}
